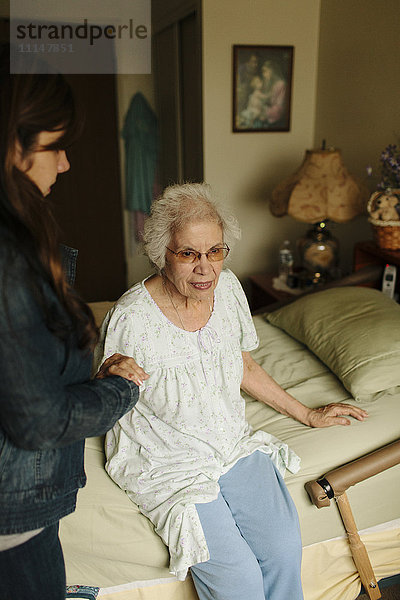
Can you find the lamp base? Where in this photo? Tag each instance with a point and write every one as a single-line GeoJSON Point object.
{"type": "Point", "coordinates": [319, 253]}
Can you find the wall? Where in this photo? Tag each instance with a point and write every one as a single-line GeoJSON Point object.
{"type": "Point", "coordinates": [345, 90]}
{"type": "Point", "coordinates": [243, 168]}
{"type": "Point", "coordinates": [358, 107]}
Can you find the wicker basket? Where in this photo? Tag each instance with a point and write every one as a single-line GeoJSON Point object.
{"type": "Point", "coordinates": [386, 233]}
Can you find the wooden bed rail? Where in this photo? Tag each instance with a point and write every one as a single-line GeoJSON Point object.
{"type": "Point", "coordinates": [337, 481]}
{"type": "Point", "coordinates": [334, 485]}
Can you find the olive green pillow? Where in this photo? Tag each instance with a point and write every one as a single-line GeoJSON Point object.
{"type": "Point", "coordinates": [355, 331]}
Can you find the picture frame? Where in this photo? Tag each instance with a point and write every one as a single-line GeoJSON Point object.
{"type": "Point", "coordinates": [262, 88]}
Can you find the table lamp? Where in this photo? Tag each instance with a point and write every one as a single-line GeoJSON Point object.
{"type": "Point", "coordinates": [321, 190]}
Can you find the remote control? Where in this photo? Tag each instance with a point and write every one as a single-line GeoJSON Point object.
{"type": "Point", "coordinates": [389, 280]}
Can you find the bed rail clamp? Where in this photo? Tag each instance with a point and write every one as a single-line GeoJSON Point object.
{"type": "Point", "coordinates": [326, 486]}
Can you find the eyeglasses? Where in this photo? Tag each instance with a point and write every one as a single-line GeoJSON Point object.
{"type": "Point", "coordinates": [190, 256]}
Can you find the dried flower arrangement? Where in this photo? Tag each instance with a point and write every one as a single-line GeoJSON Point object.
{"type": "Point", "coordinates": [390, 168]}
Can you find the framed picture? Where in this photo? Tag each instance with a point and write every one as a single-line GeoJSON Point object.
{"type": "Point", "coordinates": [262, 88]}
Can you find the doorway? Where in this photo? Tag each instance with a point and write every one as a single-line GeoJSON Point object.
{"type": "Point", "coordinates": [177, 68]}
{"type": "Point", "coordinates": [87, 199]}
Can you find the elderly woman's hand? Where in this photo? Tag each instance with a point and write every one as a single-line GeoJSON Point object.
{"type": "Point", "coordinates": [124, 366]}
{"type": "Point", "coordinates": [332, 414]}
{"type": "Point", "coordinates": [257, 383]}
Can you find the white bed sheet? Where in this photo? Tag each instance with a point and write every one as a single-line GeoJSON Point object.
{"type": "Point", "coordinates": [109, 544]}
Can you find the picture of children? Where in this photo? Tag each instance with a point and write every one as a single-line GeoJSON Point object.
{"type": "Point", "coordinates": [255, 103]}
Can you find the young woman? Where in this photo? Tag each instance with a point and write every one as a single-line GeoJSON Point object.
{"type": "Point", "coordinates": [48, 404]}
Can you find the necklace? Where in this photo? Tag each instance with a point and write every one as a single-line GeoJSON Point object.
{"type": "Point", "coordinates": [174, 306]}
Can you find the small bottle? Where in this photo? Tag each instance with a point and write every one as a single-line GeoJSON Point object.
{"type": "Point", "coordinates": [285, 261]}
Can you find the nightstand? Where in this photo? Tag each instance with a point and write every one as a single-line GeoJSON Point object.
{"type": "Point", "coordinates": [368, 253]}
{"type": "Point", "coordinates": [262, 291]}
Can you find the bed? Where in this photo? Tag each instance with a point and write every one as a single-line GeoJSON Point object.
{"type": "Point", "coordinates": [338, 345]}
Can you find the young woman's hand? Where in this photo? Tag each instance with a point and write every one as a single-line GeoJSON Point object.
{"type": "Point", "coordinates": [124, 366]}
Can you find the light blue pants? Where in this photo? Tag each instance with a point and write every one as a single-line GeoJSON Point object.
{"type": "Point", "coordinates": [253, 536]}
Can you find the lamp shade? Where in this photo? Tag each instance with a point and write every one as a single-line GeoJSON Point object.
{"type": "Point", "coordinates": [321, 189]}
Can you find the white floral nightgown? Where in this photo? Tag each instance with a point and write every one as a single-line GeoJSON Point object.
{"type": "Point", "coordinates": [188, 427]}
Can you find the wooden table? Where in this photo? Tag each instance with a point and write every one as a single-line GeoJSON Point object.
{"type": "Point", "coordinates": [368, 253]}
{"type": "Point", "coordinates": [262, 292]}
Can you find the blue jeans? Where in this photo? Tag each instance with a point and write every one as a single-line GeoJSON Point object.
{"type": "Point", "coordinates": [253, 537]}
{"type": "Point", "coordinates": [34, 570]}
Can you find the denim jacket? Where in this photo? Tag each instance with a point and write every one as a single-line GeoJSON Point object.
{"type": "Point", "coordinates": [48, 405]}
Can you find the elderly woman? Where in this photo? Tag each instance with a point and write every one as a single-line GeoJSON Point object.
{"type": "Point", "coordinates": [185, 454]}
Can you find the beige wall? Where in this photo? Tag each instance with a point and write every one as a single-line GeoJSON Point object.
{"type": "Point", "coordinates": [358, 108]}
{"type": "Point", "coordinates": [243, 168]}
{"type": "Point", "coordinates": [345, 90]}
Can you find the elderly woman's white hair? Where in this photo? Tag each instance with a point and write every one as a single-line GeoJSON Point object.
{"type": "Point", "coordinates": [178, 206]}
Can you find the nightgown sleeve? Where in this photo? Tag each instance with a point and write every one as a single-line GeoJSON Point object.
{"type": "Point", "coordinates": [123, 332]}
{"type": "Point", "coordinates": [238, 307]}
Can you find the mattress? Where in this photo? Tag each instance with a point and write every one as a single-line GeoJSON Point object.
{"type": "Point", "coordinates": [111, 547]}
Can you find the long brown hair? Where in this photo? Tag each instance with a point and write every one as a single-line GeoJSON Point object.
{"type": "Point", "coordinates": [30, 104]}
